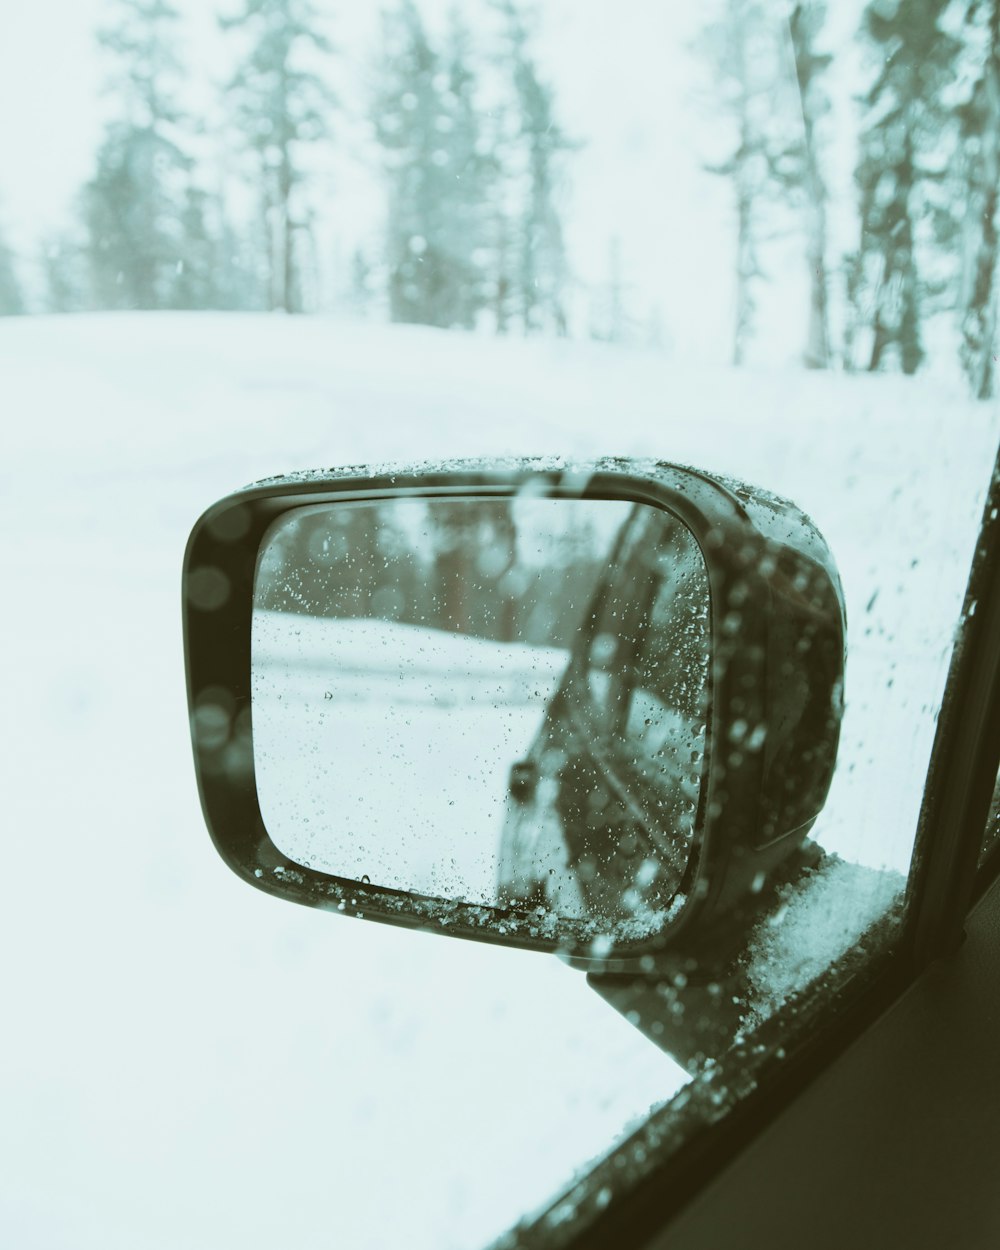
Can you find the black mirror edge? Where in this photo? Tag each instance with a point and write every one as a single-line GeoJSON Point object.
{"type": "Point", "coordinates": [741, 532]}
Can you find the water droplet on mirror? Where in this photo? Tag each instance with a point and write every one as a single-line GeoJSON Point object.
{"type": "Point", "coordinates": [366, 880]}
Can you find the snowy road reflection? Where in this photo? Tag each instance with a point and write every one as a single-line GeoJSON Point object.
{"type": "Point", "coordinates": [383, 750]}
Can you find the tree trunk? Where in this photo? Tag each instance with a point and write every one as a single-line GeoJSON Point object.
{"type": "Point", "coordinates": [818, 342]}
{"type": "Point", "coordinates": [285, 234]}
{"type": "Point", "coordinates": [817, 355]}
{"type": "Point", "coordinates": [746, 271]}
{"type": "Point", "coordinates": [910, 351]}
{"type": "Point", "coordinates": [880, 342]}
{"type": "Point", "coordinates": [897, 301]}
{"type": "Point", "coordinates": [501, 294]}
{"type": "Point", "coordinates": [980, 319]}
{"type": "Point", "coordinates": [746, 256]}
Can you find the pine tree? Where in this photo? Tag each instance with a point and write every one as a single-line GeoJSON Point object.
{"type": "Point", "coordinates": [438, 176]}
{"type": "Point", "coordinates": [610, 320]}
{"type": "Point", "coordinates": [805, 26]}
{"type": "Point", "coordinates": [133, 204]}
{"type": "Point", "coordinates": [279, 104]}
{"type": "Point", "coordinates": [752, 90]}
{"type": "Point", "coordinates": [472, 178]}
{"type": "Point", "coordinates": [852, 274]}
{"type": "Point", "coordinates": [979, 181]}
{"type": "Point", "coordinates": [905, 119]}
{"type": "Point", "coordinates": [64, 265]}
{"type": "Point", "coordinates": [11, 297]}
{"type": "Point", "coordinates": [539, 272]}
{"type": "Point", "coordinates": [216, 265]}
{"type": "Point", "coordinates": [360, 293]}
{"type": "Point", "coordinates": [474, 550]}
{"type": "Point", "coordinates": [410, 123]}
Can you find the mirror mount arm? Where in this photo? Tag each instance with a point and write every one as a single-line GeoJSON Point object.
{"type": "Point", "coordinates": [692, 1000]}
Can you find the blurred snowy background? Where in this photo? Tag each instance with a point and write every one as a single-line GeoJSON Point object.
{"type": "Point", "coordinates": [740, 180]}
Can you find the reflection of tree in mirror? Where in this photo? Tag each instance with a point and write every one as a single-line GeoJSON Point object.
{"type": "Point", "coordinates": [11, 299]}
{"type": "Point", "coordinates": [474, 549]}
{"type": "Point", "coordinates": [520, 571]}
{"type": "Point", "coordinates": [349, 561]}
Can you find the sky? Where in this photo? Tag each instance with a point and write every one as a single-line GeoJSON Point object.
{"type": "Point", "coordinates": [629, 89]}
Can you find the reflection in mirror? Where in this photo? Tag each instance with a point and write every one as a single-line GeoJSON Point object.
{"type": "Point", "coordinates": [499, 701]}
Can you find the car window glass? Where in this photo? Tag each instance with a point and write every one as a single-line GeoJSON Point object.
{"type": "Point", "coordinates": [528, 228]}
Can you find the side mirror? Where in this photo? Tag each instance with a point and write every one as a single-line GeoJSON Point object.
{"type": "Point", "coordinates": [590, 710]}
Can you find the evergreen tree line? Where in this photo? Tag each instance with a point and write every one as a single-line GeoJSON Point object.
{"type": "Point", "coordinates": [473, 156]}
{"type": "Point", "coordinates": [464, 569]}
{"type": "Point", "coordinates": [927, 174]}
{"type": "Point", "coordinates": [470, 151]}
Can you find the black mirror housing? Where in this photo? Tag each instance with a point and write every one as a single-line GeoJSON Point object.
{"type": "Point", "coordinates": [774, 708]}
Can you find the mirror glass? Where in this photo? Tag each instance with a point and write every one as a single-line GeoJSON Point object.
{"type": "Point", "coordinates": [501, 701]}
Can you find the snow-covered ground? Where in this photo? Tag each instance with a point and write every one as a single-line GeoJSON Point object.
{"type": "Point", "coordinates": [189, 1063]}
